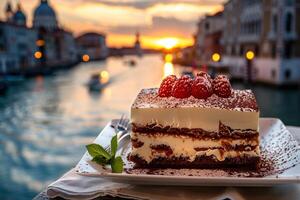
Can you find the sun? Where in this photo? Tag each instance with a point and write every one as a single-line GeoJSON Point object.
{"type": "Point", "coordinates": [167, 43]}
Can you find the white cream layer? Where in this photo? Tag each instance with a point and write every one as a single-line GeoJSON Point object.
{"type": "Point", "coordinates": [205, 118]}
{"type": "Point", "coordinates": [185, 146]}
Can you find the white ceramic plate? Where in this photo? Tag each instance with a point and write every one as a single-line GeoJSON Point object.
{"type": "Point", "coordinates": [268, 126]}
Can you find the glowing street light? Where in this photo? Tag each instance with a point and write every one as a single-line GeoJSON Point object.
{"type": "Point", "coordinates": [216, 57]}
{"type": "Point", "coordinates": [85, 58]}
{"type": "Point", "coordinates": [250, 55]}
{"type": "Point", "coordinates": [38, 55]}
{"type": "Point", "coordinates": [40, 43]}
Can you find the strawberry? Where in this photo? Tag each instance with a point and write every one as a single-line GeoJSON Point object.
{"type": "Point", "coordinates": [221, 86]}
{"type": "Point", "coordinates": [201, 88]}
{"type": "Point", "coordinates": [182, 87]}
{"type": "Point", "coordinates": [165, 89]}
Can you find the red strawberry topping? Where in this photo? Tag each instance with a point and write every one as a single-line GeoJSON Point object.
{"type": "Point", "coordinates": [165, 89]}
{"type": "Point", "coordinates": [201, 88]}
{"type": "Point", "coordinates": [205, 75]}
{"type": "Point", "coordinates": [221, 86]}
{"type": "Point", "coordinates": [182, 87]}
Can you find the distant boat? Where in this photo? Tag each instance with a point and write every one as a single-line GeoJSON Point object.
{"type": "Point", "coordinates": [132, 63]}
{"type": "Point", "coordinates": [98, 81]}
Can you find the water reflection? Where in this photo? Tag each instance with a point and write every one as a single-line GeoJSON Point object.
{"type": "Point", "coordinates": [168, 58]}
{"type": "Point", "coordinates": [104, 77]}
{"type": "Point", "coordinates": [45, 122]}
{"type": "Point", "coordinates": [168, 69]}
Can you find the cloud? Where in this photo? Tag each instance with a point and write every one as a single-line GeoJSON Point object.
{"type": "Point", "coordinates": [160, 26]}
{"type": "Point", "coordinates": [142, 4]}
{"type": "Point", "coordinates": [108, 16]}
{"type": "Point", "coordinates": [173, 17]}
{"type": "Point", "coordinates": [181, 11]}
{"type": "Point", "coordinates": [118, 18]}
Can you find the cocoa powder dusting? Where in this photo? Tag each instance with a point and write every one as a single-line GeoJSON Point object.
{"type": "Point", "coordinates": [240, 100]}
{"type": "Point", "coordinates": [279, 152]}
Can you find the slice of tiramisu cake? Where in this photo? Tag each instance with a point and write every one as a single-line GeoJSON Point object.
{"type": "Point", "coordinates": [195, 123]}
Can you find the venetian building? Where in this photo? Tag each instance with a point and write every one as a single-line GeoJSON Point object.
{"type": "Point", "coordinates": [137, 44]}
{"type": "Point", "coordinates": [19, 18]}
{"type": "Point", "coordinates": [44, 16]}
{"type": "Point", "coordinates": [8, 12]}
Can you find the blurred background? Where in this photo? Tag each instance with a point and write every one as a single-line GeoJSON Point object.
{"type": "Point", "coordinates": [67, 67]}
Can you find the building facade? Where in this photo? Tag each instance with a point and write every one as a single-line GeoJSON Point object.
{"type": "Point", "coordinates": [42, 46]}
{"type": "Point", "coordinates": [208, 37]}
{"type": "Point", "coordinates": [17, 41]}
{"type": "Point", "coordinates": [93, 45]}
{"type": "Point", "coordinates": [270, 29]}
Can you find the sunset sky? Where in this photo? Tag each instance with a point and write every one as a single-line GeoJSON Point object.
{"type": "Point", "coordinates": [120, 19]}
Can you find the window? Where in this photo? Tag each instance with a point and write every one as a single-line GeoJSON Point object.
{"type": "Point", "coordinates": [241, 51]}
{"type": "Point", "coordinates": [274, 23]}
{"type": "Point", "coordinates": [232, 51]}
{"type": "Point", "coordinates": [288, 22]}
{"type": "Point", "coordinates": [289, 2]}
{"type": "Point", "coordinates": [288, 50]}
{"type": "Point", "coordinates": [258, 26]}
{"type": "Point", "coordinates": [252, 27]}
{"type": "Point", "coordinates": [256, 50]}
{"type": "Point", "coordinates": [273, 50]}
{"type": "Point", "coordinates": [287, 74]}
{"type": "Point", "coordinates": [206, 26]}
{"type": "Point", "coordinates": [273, 73]}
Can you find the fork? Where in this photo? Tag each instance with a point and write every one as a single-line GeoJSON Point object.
{"type": "Point", "coordinates": [121, 129]}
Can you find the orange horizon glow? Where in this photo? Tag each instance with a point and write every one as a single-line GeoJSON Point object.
{"type": "Point", "coordinates": [167, 43]}
{"type": "Point", "coordinates": [115, 40]}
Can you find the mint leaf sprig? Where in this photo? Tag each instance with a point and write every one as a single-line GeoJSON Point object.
{"type": "Point", "coordinates": [102, 157]}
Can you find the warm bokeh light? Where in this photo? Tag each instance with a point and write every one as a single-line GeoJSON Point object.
{"type": "Point", "coordinates": [85, 58]}
{"type": "Point", "coordinates": [104, 77]}
{"type": "Point", "coordinates": [250, 55]}
{"type": "Point", "coordinates": [168, 58]}
{"type": "Point", "coordinates": [40, 43]}
{"type": "Point", "coordinates": [167, 43]}
{"type": "Point", "coordinates": [216, 57]}
{"type": "Point", "coordinates": [38, 54]}
{"type": "Point", "coordinates": [168, 69]}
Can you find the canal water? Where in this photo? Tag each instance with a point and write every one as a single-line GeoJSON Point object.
{"type": "Point", "coordinates": [45, 122]}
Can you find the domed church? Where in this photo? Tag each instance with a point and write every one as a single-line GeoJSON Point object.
{"type": "Point", "coordinates": [45, 45]}
{"type": "Point", "coordinates": [44, 16]}
{"type": "Point", "coordinates": [18, 17]}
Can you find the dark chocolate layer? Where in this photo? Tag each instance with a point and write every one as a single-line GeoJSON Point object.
{"type": "Point", "coordinates": [224, 132]}
{"type": "Point", "coordinates": [168, 150]}
{"type": "Point", "coordinates": [241, 100]}
{"type": "Point", "coordinates": [201, 162]}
